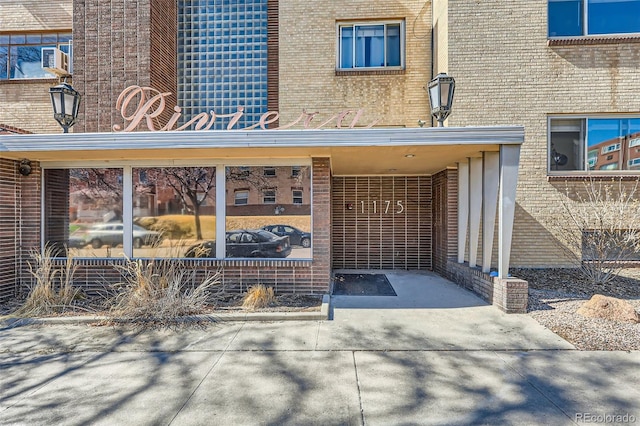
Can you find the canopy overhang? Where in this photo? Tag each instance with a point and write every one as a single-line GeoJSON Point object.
{"type": "Point", "coordinates": [375, 151]}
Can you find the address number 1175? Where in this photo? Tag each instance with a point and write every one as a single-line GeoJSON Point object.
{"type": "Point", "coordinates": [382, 206]}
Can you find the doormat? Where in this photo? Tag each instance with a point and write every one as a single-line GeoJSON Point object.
{"type": "Point", "coordinates": [362, 285]}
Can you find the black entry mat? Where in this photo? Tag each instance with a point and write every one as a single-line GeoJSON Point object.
{"type": "Point", "coordinates": [362, 285]}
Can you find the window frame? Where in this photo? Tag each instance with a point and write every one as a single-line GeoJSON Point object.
{"type": "Point", "coordinates": [220, 196]}
{"type": "Point", "coordinates": [353, 25]}
{"type": "Point", "coordinates": [10, 46]}
{"type": "Point", "coordinates": [584, 119]}
{"type": "Point", "coordinates": [585, 27]}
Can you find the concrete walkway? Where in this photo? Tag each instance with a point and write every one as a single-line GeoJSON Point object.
{"type": "Point", "coordinates": [435, 354]}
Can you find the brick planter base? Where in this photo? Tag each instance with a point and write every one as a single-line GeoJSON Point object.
{"type": "Point", "coordinates": [509, 294]}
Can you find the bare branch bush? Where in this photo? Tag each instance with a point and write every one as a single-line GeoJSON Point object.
{"type": "Point", "coordinates": [598, 226]}
{"type": "Point", "coordinates": [51, 291]}
{"type": "Point", "coordinates": [160, 291]}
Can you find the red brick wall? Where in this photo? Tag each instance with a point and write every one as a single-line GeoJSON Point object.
{"type": "Point", "coordinates": [445, 219]}
{"type": "Point", "coordinates": [19, 223]}
{"type": "Point", "coordinates": [118, 44]}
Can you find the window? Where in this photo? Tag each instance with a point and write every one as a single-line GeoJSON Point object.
{"type": "Point", "coordinates": [571, 18]}
{"type": "Point", "coordinates": [269, 196]}
{"type": "Point", "coordinates": [21, 54]}
{"type": "Point", "coordinates": [170, 212]}
{"type": "Point", "coordinates": [370, 45]}
{"type": "Point", "coordinates": [295, 170]}
{"type": "Point", "coordinates": [271, 208]}
{"type": "Point", "coordinates": [270, 171]}
{"type": "Point", "coordinates": [581, 144]}
{"type": "Point", "coordinates": [297, 196]}
{"type": "Point", "coordinates": [241, 198]}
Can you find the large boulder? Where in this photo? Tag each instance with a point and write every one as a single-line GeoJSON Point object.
{"type": "Point", "coordinates": [609, 308]}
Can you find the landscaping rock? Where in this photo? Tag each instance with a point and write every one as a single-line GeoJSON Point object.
{"type": "Point", "coordinates": [609, 308]}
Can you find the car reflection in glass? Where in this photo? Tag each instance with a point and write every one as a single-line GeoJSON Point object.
{"type": "Point", "coordinates": [296, 236]}
{"type": "Point", "coordinates": [245, 243]}
{"type": "Point", "coordinates": [110, 234]}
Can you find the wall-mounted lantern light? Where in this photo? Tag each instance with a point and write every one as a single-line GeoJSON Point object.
{"type": "Point", "coordinates": [66, 102]}
{"type": "Point", "coordinates": [440, 91]}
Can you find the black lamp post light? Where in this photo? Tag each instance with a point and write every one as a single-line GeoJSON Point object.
{"type": "Point", "coordinates": [66, 102]}
{"type": "Point", "coordinates": [440, 91]}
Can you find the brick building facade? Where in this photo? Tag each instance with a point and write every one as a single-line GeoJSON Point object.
{"type": "Point", "coordinates": [509, 70]}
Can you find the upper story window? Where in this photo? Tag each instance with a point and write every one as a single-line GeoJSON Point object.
{"type": "Point", "coordinates": [573, 18]}
{"type": "Point", "coordinates": [21, 54]}
{"type": "Point", "coordinates": [366, 45]}
{"type": "Point", "coordinates": [590, 144]}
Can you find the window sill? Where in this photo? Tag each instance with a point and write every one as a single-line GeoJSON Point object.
{"type": "Point", "coordinates": [109, 261]}
{"type": "Point", "coordinates": [593, 40]}
{"type": "Point", "coordinates": [601, 177]}
{"type": "Point", "coordinates": [370, 72]}
{"type": "Point", "coordinates": [29, 81]}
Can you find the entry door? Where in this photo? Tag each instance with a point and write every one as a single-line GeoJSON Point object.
{"type": "Point", "coordinates": [381, 222]}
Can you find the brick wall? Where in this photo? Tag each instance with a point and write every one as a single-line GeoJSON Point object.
{"type": "Point", "coordinates": [19, 223]}
{"type": "Point", "coordinates": [511, 295]}
{"type": "Point", "coordinates": [118, 44]}
{"type": "Point", "coordinates": [445, 219]}
{"type": "Point", "coordinates": [308, 60]}
{"type": "Point", "coordinates": [35, 15]}
{"type": "Point", "coordinates": [506, 74]}
{"type": "Point", "coordinates": [26, 103]}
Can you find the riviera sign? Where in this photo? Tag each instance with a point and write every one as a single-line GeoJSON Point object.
{"type": "Point", "coordinates": [151, 104]}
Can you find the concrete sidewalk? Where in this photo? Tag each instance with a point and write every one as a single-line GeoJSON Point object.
{"type": "Point", "coordinates": [455, 361]}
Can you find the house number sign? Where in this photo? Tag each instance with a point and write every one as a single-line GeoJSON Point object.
{"type": "Point", "coordinates": [382, 206]}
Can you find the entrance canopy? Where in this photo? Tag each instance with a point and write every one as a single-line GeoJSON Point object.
{"type": "Point", "coordinates": [487, 159]}
{"type": "Point", "coordinates": [400, 151]}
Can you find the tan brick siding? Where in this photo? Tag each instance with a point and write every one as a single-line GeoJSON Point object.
{"type": "Point", "coordinates": [35, 15]}
{"type": "Point", "coordinates": [518, 79]}
{"type": "Point", "coordinates": [27, 105]}
{"type": "Point", "coordinates": [308, 62]}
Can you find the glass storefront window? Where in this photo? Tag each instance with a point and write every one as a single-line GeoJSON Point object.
{"type": "Point", "coordinates": [174, 212]}
{"type": "Point", "coordinates": [274, 219]}
{"type": "Point", "coordinates": [83, 211]}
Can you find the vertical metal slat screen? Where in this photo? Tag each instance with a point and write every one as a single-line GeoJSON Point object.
{"type": "Point", "coordinates": [381, 222]}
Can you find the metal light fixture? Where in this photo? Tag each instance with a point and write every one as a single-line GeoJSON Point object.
{"type": "Point", "coordinates": [440, 91]}
{"type": "Point", "coordinates": [66, 102]}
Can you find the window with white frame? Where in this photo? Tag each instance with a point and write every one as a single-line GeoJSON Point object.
{"type": "Point", "coordinates": [365, 45]}
{"type": "Point", "coordinates": [269, 172]}
{"type": "Point", "coordinates": [297, 196]}
{"type": "Point", "coordinates": [21, 54]}
{"type": "Point", "coordinates": [574, 18]}
{"type": "Point", "coordinates": [582, 144]}
{"type": "Point", "coordinates": [269, 196]}
{"type": "Point", "coordinates": [241, 197]}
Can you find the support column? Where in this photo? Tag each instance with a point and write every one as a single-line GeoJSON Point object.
{"type": "Point", "coordinates": [463, 208]}
{"type": "Point", "coordinates": [475, 207]}
{"type": "Point", "coordinates": [509, 163]}
{"type": "Point", "coordinates": [490, 182]}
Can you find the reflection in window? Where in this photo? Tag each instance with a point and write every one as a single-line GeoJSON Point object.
{"type": "Point", "coordinates": [268, 223]}
{"type": "Point", "coordinates": [21, 54]}
{"type": "Point", "coordinates": [83, 211]}
{"type": "Point", "coordinates": [173, 211]}
{"type": "Point", "coordinates": [370, 45]}
{"type": "Point", "coordinates": [593, 17]}
{"type": "Point", "coordinates": [608, 143]}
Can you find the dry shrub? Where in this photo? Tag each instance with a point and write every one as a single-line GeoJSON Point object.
{"type": "Point", "coordinates": [160, 291]}
{"type": "Point", "coordinates": [597, 224]}
{"type": "Point", "coordinates": [258, 297]}
{"type": "Point", "coordinates": [51, 290]}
